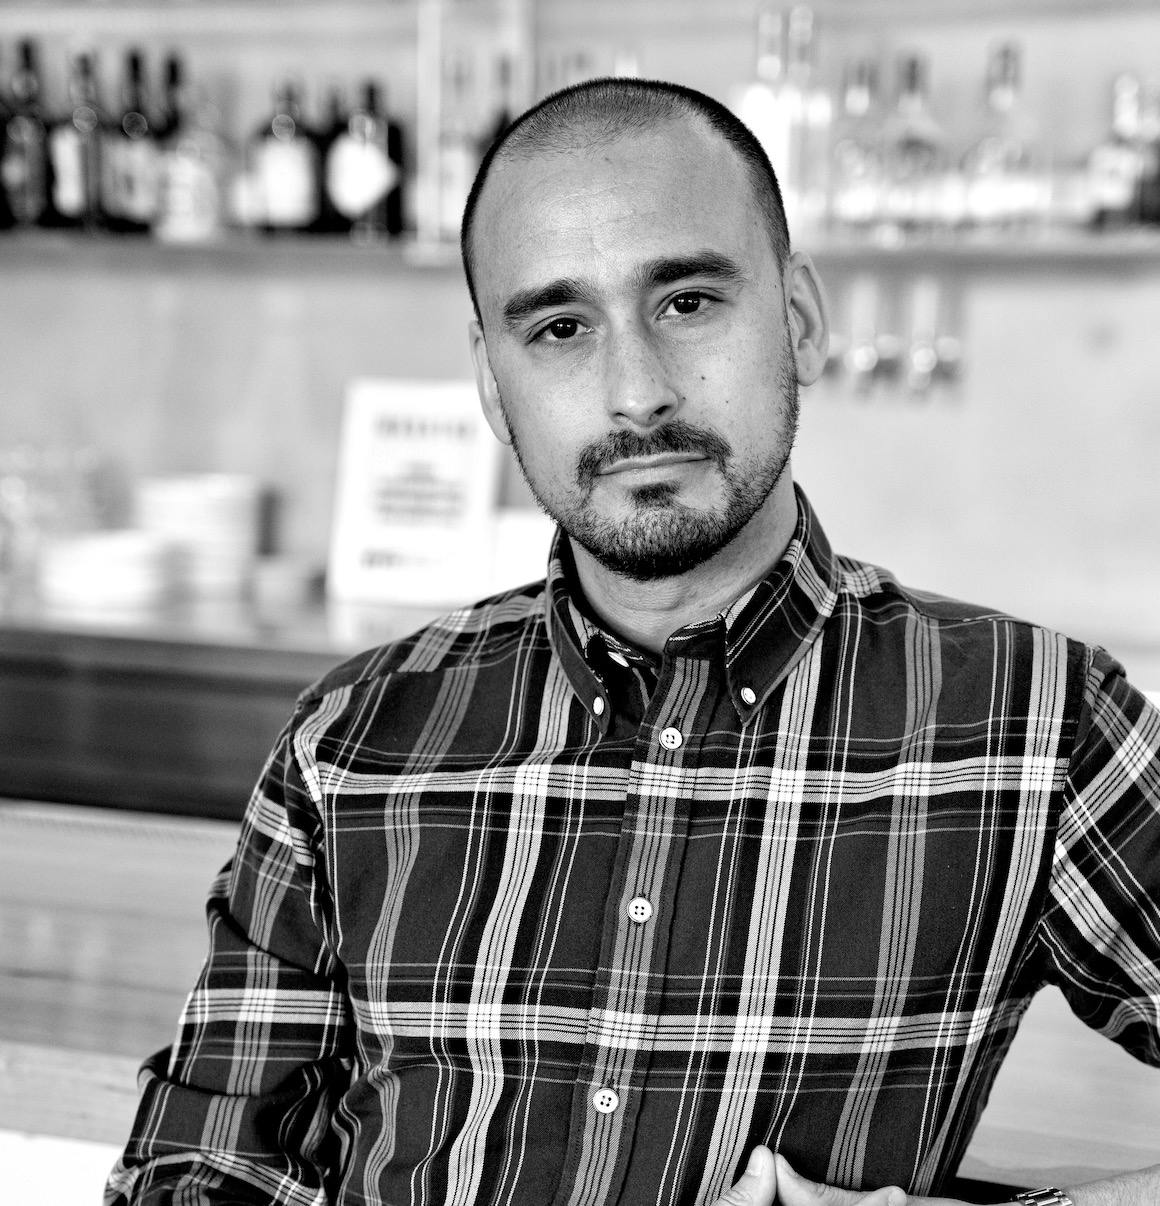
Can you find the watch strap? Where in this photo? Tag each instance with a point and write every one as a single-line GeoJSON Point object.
{"type": "Point", "coordinates": [1049, 1196]}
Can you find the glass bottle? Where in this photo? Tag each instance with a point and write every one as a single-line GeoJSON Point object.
{"type": "Point", "coordinates": [913, 157]}
{"type": "Point", "coordinates": [24, 153]}
{"type": "Point", "coordinates": [195, 162]}
{"type": "Point", "coordinates": [396, 202]}
{"type": "Point", "coordinates": [813, 107]}
{"type": "Point", "coordinates": [75, 146]}
{"type": "Point", "coordinates": [501, 105]}
{"type": "Point", "coordinates": [7, 221]}
{"type": "Point", "coordinates": [360, 173]}
{"type": "Point", "coordinates": [1005, 185]}
{"type": "Point", "coordinates": [332, 127]}
{"type": "Point", "coordinates": [769, 106]}
{"type": "Point", "coordinates": [457, 155]}
{"type": "Point", "coordinates": [1148, 189]}
{"type": "Point", "coordinates": [172, 102]}
{"type": "Point", "coordinates": [1118, 164]}
{"type": "Point", "coordinates": [284, 160]}
{"type": "Point", "coordinates": [129, 183]}
{"type": "Point", "coordinates": [856, 159]}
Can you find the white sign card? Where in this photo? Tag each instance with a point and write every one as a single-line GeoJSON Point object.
{"type": "Point", "coordinates": [415, 498]}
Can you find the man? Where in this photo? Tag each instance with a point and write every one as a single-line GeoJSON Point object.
{"type": "Point", "coordinates": [711, 846]}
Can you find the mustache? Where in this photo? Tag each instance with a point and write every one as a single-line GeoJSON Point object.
{"type": "Point", "coordinates": [677, 436]}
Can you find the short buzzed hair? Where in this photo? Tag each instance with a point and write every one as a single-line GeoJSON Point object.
{"type": "Point", "coordinates": [603, 110]}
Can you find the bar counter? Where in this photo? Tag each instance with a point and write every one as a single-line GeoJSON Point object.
{"type": "Point", "coordinates": [168, 711]}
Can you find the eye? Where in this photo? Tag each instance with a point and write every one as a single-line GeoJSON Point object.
{"type": "Point", "coordinates": [559, 330]}
{"type": "Point", "coordinates": [687, 303]}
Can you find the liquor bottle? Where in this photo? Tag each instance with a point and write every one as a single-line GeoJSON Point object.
{"type": "Point", "coordinates": [396, 203]}
{"type": "Point", "coordinates": [457, 156]}
{"type": "Point", "coordinates": [360, 173]}
{"type": "Point", "coordinates": [194, 162]}
{"type": "Point", "coordinates": [172, 102]}
{"type": "Point", "coordinates": [856, 159]}
{"type": "Point", "coordinates": [24, 149]}
{"type": "Point", "coordinates": [1118, 164]}
{"type": "Point", "coordinates": [284, 162]}
{"type": "Point", "coordinates": [767, 105]}
{"type": "Point", "coordinates": [1148, 190]}
{"type": "Point", "coordinates": [7, 221]}
{"type": "Point", "coordinates": [810, 149]}
{"type": "Point", "coordinates": [129, 183]}
{"type": "Point", "coordinates": [331, 128]}
{"type": "Point", "coordinates": [502, 108]}
{"type": "Point", "coordinates": [1005, 185]}
{"type": "Point", "coordinates": [75, 150]}
{"type": "Point", "coordinates": [913, 158]}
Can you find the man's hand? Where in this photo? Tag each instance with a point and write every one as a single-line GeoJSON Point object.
{"type": "Point", "coordinates": [794, 1190]}
{"type": "Point", "coordinates": [770, 1181]}
{"type": "Point", "coordinates": [758, 1184]}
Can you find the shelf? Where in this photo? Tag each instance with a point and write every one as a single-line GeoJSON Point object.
{"type": "Point", "coordinates": [1136, 251]}
{"type": "Point", "coordinates": [245, 253]}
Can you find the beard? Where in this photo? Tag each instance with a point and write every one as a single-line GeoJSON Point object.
{"type": "Point", "coordinates": [664, 537]}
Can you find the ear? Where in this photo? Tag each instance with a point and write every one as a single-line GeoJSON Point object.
{"type": "Point", "coordinates": [809, 319]}
{"type": "Point", "coordinates": [486, 384]}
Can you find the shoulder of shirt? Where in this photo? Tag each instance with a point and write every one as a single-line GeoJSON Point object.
{"type": "Point", "coordinates": [470, 635]}
{"type": "Point", "coordinates": [875, 589]}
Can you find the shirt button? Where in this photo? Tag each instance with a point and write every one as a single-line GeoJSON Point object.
{"type": "Point", "coordinates": [605, 1100]}
{"type": "Point", "coordinates": [598, 706]}
{"type": "Point", "coordinates": [671, 739]}
{"type": "Point", "coordinates": [748, 695]}
{"type": "Point", "coordinates": [639, 910]}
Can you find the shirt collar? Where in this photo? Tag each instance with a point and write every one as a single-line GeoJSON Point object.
{"type": "Point", "coordinates": [769, 629]}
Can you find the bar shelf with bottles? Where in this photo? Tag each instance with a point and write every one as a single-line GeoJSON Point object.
{"type": "Point", "coordinates": [869, 173]}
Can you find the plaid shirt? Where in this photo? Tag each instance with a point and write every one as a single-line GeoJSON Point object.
{"type": "Point", "coordinates": [518, 916]}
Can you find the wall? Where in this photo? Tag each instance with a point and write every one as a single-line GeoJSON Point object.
{"type": "Point", "coordinates": [1032, 485]}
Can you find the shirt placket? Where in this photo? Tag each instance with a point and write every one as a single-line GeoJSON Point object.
{"type": "Point", "coordinates": [634, 960]}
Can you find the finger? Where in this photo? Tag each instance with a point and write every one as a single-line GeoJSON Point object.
{"type": "Point", "coordinates": [796, 1190]}
{"type": "Point", "coordinates": [757, 1186]}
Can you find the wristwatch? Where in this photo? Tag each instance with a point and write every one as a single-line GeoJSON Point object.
{"type": "Point", "coordinates": [1045, 1197]}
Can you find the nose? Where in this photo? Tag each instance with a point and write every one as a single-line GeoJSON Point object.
{"type": "Point", "coordinates": [639, 385]}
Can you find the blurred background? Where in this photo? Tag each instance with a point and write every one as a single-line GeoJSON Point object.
{"type": "Point", "coordinates": [217, 215]}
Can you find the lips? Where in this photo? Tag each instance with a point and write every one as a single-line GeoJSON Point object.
{"type": "Point", "coordinates": [631, 451]}
{"type": "Point", "coordinates": [644, 463]}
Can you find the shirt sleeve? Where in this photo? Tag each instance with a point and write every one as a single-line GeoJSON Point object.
{"type": "Point", "coordinates": [1101, 929]}
{"type": "Point", "coordinates": [239, 1108]}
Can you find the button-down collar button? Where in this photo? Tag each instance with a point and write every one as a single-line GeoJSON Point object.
{"type": "Point", "coordinates": [618, 658]}
{"type": "Point", "coordinates": [671, 739]}
{"type": "Point", "coordinates": [598, 706]}
{"type": "Point", "coordinates": [748, 695]}
{"type": "Point", "coordinates": [640, 910]}
{"type": "Point", "coordinates": [605, 1100]}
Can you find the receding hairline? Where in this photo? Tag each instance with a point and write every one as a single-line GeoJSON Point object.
{"type": "Point", "coordinates": [619, 110]}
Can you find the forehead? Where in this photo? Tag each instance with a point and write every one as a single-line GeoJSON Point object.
{"type": "Point", "coordinates": [598, 207]}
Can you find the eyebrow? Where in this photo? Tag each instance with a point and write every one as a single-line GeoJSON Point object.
{"type": "Point", "coordinates": [664, 270]}
{"type": "Point", "coordinates": [525, 302]}
{"type": "Point", "coordinates": [668, 270]}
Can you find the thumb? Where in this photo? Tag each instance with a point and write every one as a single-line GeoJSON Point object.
{"type": "Point", "coordinates": [757, 1185]}
{"type": "Point", "coordinates": [796, 1190]}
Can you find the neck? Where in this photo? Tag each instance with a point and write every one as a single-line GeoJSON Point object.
{"type": "Point", "coordinates": [646, 614]}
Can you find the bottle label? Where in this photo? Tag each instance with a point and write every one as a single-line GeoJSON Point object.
{"type": "Point", "coordinates": [22, 168]}
{"type": "Point", "coordinates": [68, 166]}
{"type": "Point", "coordinates": [286, 177]}
{"type": "Point", "coordinates": [191, 202]}
{"type": "Point", "coordinates": [358, 176]}
{"type": "Point", "coordinates": [130, 178]}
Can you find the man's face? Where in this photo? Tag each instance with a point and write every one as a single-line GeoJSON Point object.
{"type": "Point", "coordinates": [635, 347]}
